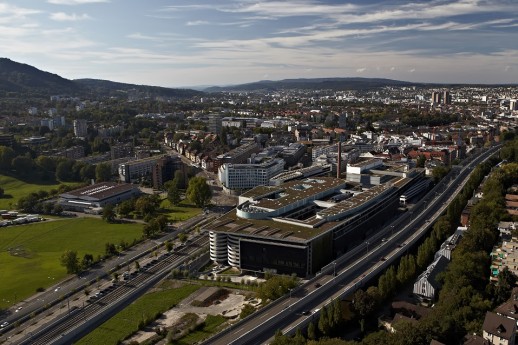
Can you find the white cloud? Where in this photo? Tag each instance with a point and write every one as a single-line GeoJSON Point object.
{"type": "Point", "coordinates": [412, 70]}
{"type": "Point", "coordinates": [75, 2]}
{"type": "Point", "coordinates": [197, 22]}
{"type": "Point", "coordinates": [361, 70]}
{"type": "Point", "coordinates": [65, 17]}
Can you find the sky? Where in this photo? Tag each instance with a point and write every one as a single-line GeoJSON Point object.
{"type": "Point", "coordinates": [181, 43]}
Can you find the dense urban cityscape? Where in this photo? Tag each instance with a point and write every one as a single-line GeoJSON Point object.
{"type": "Point", "coordinates": [258, 213]}
{"type": "Point", "coordinates": [237, 172]}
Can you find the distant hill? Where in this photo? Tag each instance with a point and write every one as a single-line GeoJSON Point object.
{"type": "Point", "coordinates": [313, 84]}
{"type": "Point", "coordinates": [18, 78]}
{"type": "Point", "coordinates": [111, 88]}
{"type": "Point", "coordinates": [21, 80]}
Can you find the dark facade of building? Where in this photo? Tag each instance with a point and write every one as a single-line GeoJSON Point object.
{"type": "Point", "coordinates": [164, 170]}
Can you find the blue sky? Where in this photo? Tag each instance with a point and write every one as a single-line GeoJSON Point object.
{"type": "Point", "coordinates": [210, 42]}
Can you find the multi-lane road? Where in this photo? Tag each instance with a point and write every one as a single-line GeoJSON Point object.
{"type": "Point", "coordinates": [69, 287]}
{"type": "Point", "coordinates": [349, 272]}
{"type": "Point", "coordinates": [79, 321]}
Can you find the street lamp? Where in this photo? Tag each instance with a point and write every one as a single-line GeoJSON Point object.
{"type": "Point", "coordinates": [334, 269]}
{"type": "Point", "coordinates": [367, 242]}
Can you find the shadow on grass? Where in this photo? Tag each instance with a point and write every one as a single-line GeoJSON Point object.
{"type": "Point", "coordinates": [36, 178]}
{"type": "Point", "coordinates": [6, 196]}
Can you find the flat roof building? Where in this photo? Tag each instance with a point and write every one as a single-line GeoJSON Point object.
{"type": "Point", "coordinates": [302, 225]}
{"type": "Point", "coordinates": [246, 176]}
{"type": "Point", "coordinates": [97, 195]}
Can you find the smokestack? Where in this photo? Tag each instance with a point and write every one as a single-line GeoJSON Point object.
{"type": "Point", "coordinates": [339, 158]}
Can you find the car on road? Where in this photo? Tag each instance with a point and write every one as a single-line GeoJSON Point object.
{"type": "Point", "coordinates": [18, 309]}
{"type": "Point", "coordinates": [4, 324]}
{"type": "Point", "coordinates": [306, 312]}
{"type": "Point", "coordinates": [57, 289]}
{"type": "Point", "coordinates": [317, 285]}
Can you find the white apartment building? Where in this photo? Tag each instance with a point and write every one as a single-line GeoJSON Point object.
{"type": "Point", "coordinates": [80, 128]}
{"type": "Point", "coordinates": [246, 176]}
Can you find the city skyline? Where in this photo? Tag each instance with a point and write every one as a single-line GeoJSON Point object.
{"type": "Point", "coordinates": [180, 44]}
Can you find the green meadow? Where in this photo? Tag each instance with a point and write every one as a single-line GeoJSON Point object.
{"type": "Point", "coordinates": [29, 254]}
{"type": "Point", "coordinates": [14, 189]}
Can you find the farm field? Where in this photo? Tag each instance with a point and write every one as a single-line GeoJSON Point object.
{"type": "Point", "coordinates": [30, 253]}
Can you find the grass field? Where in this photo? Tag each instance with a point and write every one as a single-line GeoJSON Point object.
{"type": "Point", "coordinates": [29, 254]}
{"type": "Point", "coordinates": [211, 325]}
{"type": "Point", "coordinates": [14, 189]}
{"type": "Point", "coordinates": [126, 322]}
{"type": "Point", "coordinates": [181, 212]}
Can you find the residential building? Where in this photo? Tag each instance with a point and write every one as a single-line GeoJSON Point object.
{"type": "Point", "coordinates": [134, 170]}
{"type": "Point", "coordinates": [80, 128]}
{"type": "Point", "coordinates": [121, 150]}
{"type": "Point", "coordinates": [427, 286]}
{"type": "Point", "coordinates": [164, 170]}
{"type": "Point", "coordinates": [215, 123]}
{"type": "Point", "coordinates": [498, 330]}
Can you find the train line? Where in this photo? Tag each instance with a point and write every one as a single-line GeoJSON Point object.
{"type": "Point", "coordinates": [53, 332]}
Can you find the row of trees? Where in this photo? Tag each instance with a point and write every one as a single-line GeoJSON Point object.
{"type": "Point", "coordinates": [47, 168]}
{"type": "Point", "coordinates": [466, 292]}
{"type": "Point", "coordinates": [329, 324]}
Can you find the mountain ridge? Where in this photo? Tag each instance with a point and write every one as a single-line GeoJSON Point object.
{"type": "Point", "coordinates": [22, 80]}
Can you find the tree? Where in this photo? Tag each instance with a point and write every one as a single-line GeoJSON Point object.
{"type": "Point", "coordinates": [312, 331]}
{"type": "Point", "coordinates": [323, 321]}
{"type": "Point", "coordinates": [64, 170]}
{"type": "Point", "coordinates": [147, 204]}
{"type": "Point", "coordinates": [364, 305]}
{"type": "Point", "coordinates": [87, 172]}
{"type": "Point", "coordinates": [22, 164]}
{"type": "Point", "coordinates": [88, 260]}
{"type": "Point", "coordinates": [173, 195]}
{"type": "Point", "coordinates": [198, 191]}
{"type": "Point", "coordinates": [70, 261]}
{"type": "Point", "coordinates": [108, 213]}
{"type": "Point", "coordinates": [151, 230]}
{"type": "Point", "coordinates": [126, 207]}
{"type": "Point", "coordinates": [6, 156]}
{"type": "Point", "coordinates": [103, 172]}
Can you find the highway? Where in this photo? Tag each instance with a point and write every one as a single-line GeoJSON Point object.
{"type": "Point", "coordinates": [67, 328]}
{"type": "Point", "coordinates": [354, 268]}
{"type": "Point", "coordinates": [65, 289]}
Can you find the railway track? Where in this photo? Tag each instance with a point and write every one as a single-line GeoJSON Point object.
{"type": "Point", "coordinates": [54, 331]}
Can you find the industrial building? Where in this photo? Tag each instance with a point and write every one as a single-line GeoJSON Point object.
{"type": "Point", "coordinates": [302, 225]}
{"type": "Point", "coordinates": [96, 196]}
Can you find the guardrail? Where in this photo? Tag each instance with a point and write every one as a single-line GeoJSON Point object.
{"type": "Point", "coordinates": [248, 337]}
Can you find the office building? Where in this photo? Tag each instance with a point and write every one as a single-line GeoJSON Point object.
{"type": "Point", "coordinates": [246, 176]}
{"type": "Point", "coordinates": [302, 225]}
{"type": "Point", "coordinates": [238, 155]}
